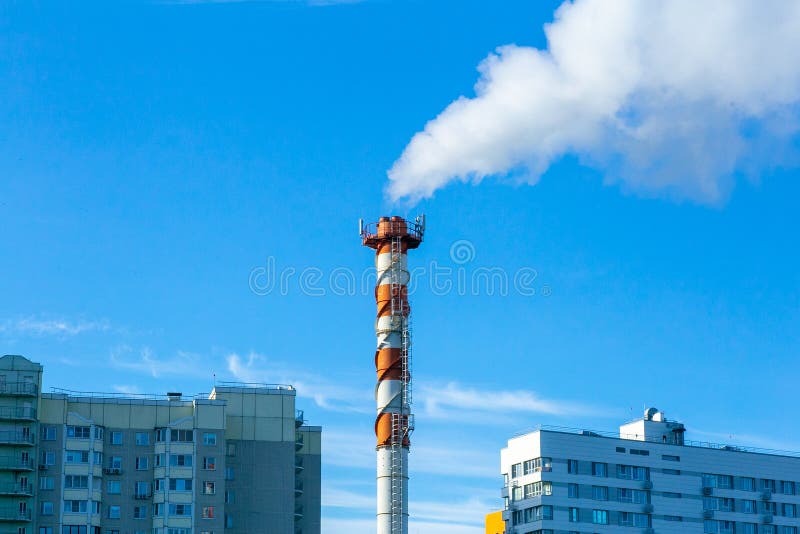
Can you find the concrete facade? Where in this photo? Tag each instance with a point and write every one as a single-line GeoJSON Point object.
{"type": "Point", "coordinates": [645, 479]}
{"type": "Point", "coordinates": [77, 463]}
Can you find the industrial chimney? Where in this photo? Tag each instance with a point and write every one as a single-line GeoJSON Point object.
{"type": "Point", "coordinates": [391, 238]}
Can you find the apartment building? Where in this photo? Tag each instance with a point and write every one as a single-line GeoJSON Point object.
{"type": "Point", "coordinates": [239, 460]}
{"type": "Point", "coordinates": [647, 478]}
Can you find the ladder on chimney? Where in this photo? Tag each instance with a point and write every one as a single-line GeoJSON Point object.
{"type": "Point", "coordinates": [397, 470]}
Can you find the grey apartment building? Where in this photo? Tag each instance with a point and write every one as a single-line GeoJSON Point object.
{"type": "Point", "coordinates": [236, 461]}
{"type": "Point", "coordinates": [645, 479]}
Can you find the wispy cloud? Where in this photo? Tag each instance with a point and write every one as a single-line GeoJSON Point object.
{"type": "Point", "coordinates": [326, 393]}
{"type": "Point", "coordinates": [354, 448]}
{"type": "Point", "coordinates": [147, 362]}
{"type": "Point", "coordinates": [453, 401]}
{"type": "Point", "coordinates": [53, 327]}
{"type": "Point", "coordinates": [126, 389]}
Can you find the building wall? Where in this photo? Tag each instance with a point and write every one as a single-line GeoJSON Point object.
{"type": "Point", "coordinates": [115, 451]}
{"type": "Point", "coordinates": [308, 480]}
{"type": "Point", "coordinates": [674, 497]}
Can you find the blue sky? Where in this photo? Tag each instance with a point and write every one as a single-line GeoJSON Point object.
{"type": "Point", "coordinates": [156, 158]}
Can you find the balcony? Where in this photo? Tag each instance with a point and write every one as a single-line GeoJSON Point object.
{"type": "Point", "coordinates": [15, 437]}
{"type": "Point", "coordinates": [112, 470]}
{"type": "Point", "coordinates": [298, 464]}
{"type": "Point", "coordinates": [15, 515]}
{"type": "Point", "coordinates": [298, 418]}
{"type": "Point", "coordinates": [298, 488]}
{"type": "Point", "coordinates": [11, 463]}
{"type": "Point", "coordinates": [16, 490]}
{"type": "Point", "coordinates": [298, 512]}
{"type": "Point", "coordinates": [298, 441]}
{"type": "Point", "coordinates": [17, 413]}
{"type": "Point", "coordinates": [142, 496]}
{"type": "Point", "coordinates": [18, 389]}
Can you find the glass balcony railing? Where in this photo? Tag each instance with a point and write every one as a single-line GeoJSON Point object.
{"type": "Point", "coordinates": [16, 489]}
{"type": "Point", "coordinates": [12, 463]}
{"type": "Point", "coordinates": [26, 389]}
{"type": "Point", "coordinates": [20, 413]}
{"type": "Point", "coordinates": [15, 437]}
{"type": "Point", "coordinates": [14, 514]}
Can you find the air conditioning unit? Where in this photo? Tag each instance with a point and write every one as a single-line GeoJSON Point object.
{"type": "Point", "coordinates": [42, 467]}
{"type": "Point", "coordinates": [767, 518]}
{"type": "Point", "coordinates": [766, 495]}
{"type": "Point", "coordinates": [647, 508]}
{"type": "Point", "coordinates": [708, 490]}
{"type": "Point", "coordinates": [647, 484]}
{"type": "Point", "coordinates": [708, 514]}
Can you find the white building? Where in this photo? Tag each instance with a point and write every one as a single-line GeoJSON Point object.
{"type": "Point", "coordinates": [645, 479]}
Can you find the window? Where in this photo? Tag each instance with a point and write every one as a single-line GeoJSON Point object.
{"type": "Point", "coordinates": [96, 507]}
{"type": "Point", "coordinates": [770, 508]}
{"type": "Point", "coordinates": [228, 521]}
{"type": "Point", "coordinates": [574, 515]}
{"type": "Point", "coordinates": [208, 512]}
{"type": "Point", "coordinates": [209, 488]}
{"type": "Point", "coordinates": [140, 512]}
{"type": "Point", "coordinates": [789, 510]}
{"type": "Point", "coordinates": [231, 449]}
{"type": "Point", "coordinates": [97, 457]}
{"type": "Point", "coordinates": [229, 496]}
{"type": "Point", "coordinates": [141, 489]}
{"type": "Point", "coordinates": [76, 457]}
{"type": "Point", "coordinates": [49, 458]}
{"type": "Point", "coordinates": [76, 481]}
{"type": "Point", "coordinates": [600, 493]}
{"type": "Point", "coordinates": [161, 434]}
{"type": "Point", "coordinates": [76, 507]}
{"type": "Point", "coordinates": [142, 463]}
{"type": "Point", "coordinates": [180, 460]}
{"type": "Point", "coordinates": [516, 470]}
{"type": "Point", "coordinates": [45, 530]}
{"type": "Point", "coordinates": [599, 469]}
{"type": "Point", "coordinates": [46, 483]}
{"type": "Point", "coordinates": [537, 489]}
{"type": "Point", "coordinates": [712, 526]}
{"type": "Point", "coordinates": [142, 438]}
{"type": "Point", "coordinates": [159, 484]}
{"type": "Point", "coordinates": [620, 449]}
{"type": "Point", "coordinates": [229, 473]}
{"type": "Point", "coordinates": [572, 491]}
{"type": "Point", "coordinates": [74, 529]}
{"type": "Point", "coordinates": [572, 467]}
{"type": "Point", "coordinates": [632, 472]}
{"type": "Point", "coordinates": [748, 528]}
{"type": "Point", "coordinates": [537, 465]}
{"type": "Point", "coordinates": [180, 509]}
{"type": "Point", "coordinates": [180, 484]}
{"type": "Point", "coordinates": [158, 460]}
{"type": "Point", "coordinates": [671, 471]}
{"type": "Point", "coordinates": [113, 487]}
{"type": "Point", "coordinates": [788, 530]}
{"type": "Point", "coordinates": [115, 438]}
{"type": "Point", "coordinates": [768, 484]}
{"type": "Point", "coordinates": [748, 506]}
{"type": "Point", "coordinates": [98, 433]}
{"type": "Point", "coordinates": [209, 438]}
{"type": "Point", "coordinates": [747, 484]}
{"type": "Point", "coordinates": [671, 495]}
{"type": "Point", "coordinates": [48, 433]}
{"type": "Point", "coordinates": [182, 435]}
{"type": "Point", "coordinates": [670, 458]}
{"type": "Point", "coordinates": [47, 508]}
{"type": "Point", "coordinates": [787, 487]}
{"type": "Point", "coordinates": [113, 512]}
{"type": "Point", "coordinates": [209, 463]}
{"type": "Point", "coordinates": [158, 509]}
{"type": "Point", "coordinates": [115, 462]}
{"type": "Point", "coordinates": [600, 517]}
{"type": "Point", "coordinates": [633, 496]}
{"type": "Point", "coordinates": [640, 452]}
{"type": "Point", "coordinates": [79, 432]}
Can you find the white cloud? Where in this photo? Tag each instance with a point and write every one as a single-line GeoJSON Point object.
{"type": "Point", "coordinates": [126, 389]}
{"type": "Point", "coordinates": [667, 97]}
{"type": "Point", "coordinates": [53, 327]}
{"type": "Point", "coordinates": [147, 362]}
{"type": "Point", "coordinates": [484, 406]}
{"type": "Point", "coordinates": [326, 393]}
{"type": "Point", "coordinates": [355, 448]}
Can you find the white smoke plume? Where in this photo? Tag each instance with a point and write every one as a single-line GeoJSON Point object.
{"type": "Point", "coordinates": [668, 98]}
